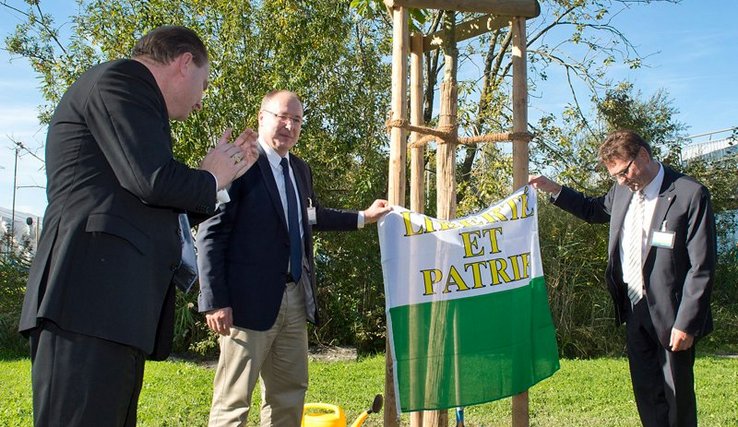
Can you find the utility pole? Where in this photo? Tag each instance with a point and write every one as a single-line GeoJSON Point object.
{"type": "Point", "coordinates": [12, 215]}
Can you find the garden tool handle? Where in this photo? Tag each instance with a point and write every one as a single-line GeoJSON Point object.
{"type": "Point", "coordinates": [359, 421]}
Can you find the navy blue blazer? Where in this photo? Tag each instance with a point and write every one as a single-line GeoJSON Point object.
{"type": "Point", "coordinates": [678, 280]}
{"type": "Point", "coordinates": [243, 250]}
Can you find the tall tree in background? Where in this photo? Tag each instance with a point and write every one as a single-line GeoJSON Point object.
{"type": "Point", "coordinates": [335, 55]}
{"type": "Point", "coordinates": [316, 48]}
{"type": "Point", "coordinates": [575, 253]}
{"type": "Point", "coordinates": [574, 39]}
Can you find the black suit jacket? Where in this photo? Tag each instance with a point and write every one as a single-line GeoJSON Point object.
{"type": "Point", "coordinates": [678, 280]}
{"type": "Point", "coordinates": [244, 250]}
{"type": "Point", "coordinates": [110, 238]}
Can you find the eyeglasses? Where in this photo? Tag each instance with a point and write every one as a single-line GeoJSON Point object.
{"type": "Point", "coordinates": [296, 121]}
{"type": "Point", "coordinates": [623, 173]}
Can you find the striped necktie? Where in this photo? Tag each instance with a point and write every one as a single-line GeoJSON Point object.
{"type": "Point", "coordinates": [633, 248]}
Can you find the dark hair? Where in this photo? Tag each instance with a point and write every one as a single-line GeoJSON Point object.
{"type": "Point", "coordinates": [163, 44]}
{"type": "Point", "coordinates": [622, 144]}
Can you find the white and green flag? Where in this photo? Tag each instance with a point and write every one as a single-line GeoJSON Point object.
{"type": "Point", "coordinates": [467, 308]}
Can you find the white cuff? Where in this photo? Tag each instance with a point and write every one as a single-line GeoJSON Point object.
{"type": "Point", "coordinates": [360, 220]}
{"type": "Point", "coordinates": [222, 196]}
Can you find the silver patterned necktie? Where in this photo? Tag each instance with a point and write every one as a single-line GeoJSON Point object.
{"type": "Point", "coordinates": [632, 268]}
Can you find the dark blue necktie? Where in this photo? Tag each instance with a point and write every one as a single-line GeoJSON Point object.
{"type": "Point", "coordinates": [292, 223]}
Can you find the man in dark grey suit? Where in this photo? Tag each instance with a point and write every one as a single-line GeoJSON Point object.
{"type": "Point", "coordinates": [100, 299]}
{"type": "Point", "coordinates": [257, 273]}
{"type": "Point", "coordinates": [660, 270]}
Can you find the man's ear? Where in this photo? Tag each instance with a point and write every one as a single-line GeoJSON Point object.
{"type": "Point", "coordinates": [184, 62]}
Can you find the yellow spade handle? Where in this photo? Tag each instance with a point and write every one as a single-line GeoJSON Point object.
{"type": "Point", "coordinates": [359, 421]}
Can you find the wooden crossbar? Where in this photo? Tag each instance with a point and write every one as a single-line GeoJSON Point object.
{"type": "Point", "coordinates": [466, 30]}
{"type": "Point", "coordinates": [521, 8]}
{"type": "Point", "coordinates": [477, 139]}
{"type": "Point", "coordinates": [448, 134]}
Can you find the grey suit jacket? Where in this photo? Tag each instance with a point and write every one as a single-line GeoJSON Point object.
{"type": "Point", "coordinates": [110, 240]}
{"type": "Point", "coordinates": [678, 280]}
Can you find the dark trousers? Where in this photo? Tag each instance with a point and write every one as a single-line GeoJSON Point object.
{"type": "Point", "coordinates": [80, 380]}
{"type": "Point", "coordinates": [663, 381]}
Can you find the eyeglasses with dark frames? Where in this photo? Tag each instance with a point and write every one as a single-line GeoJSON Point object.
{"type": "Point", "coordinates": [623, 173]}
{"type": "Point", "coordinates": [297, 121]}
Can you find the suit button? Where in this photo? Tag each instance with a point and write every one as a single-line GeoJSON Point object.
{"type": "Point", "coordinates": [173, 266]}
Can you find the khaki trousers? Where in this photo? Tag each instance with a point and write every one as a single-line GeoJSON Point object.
{"type": "Point", "coordinates": [278, 356]}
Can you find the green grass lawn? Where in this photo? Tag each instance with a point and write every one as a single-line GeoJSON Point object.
{"type": "Point", "coordinates": [587, 393]}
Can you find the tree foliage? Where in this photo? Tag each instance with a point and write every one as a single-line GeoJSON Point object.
{"type": "Point", "coordinates": [574, 40]}
{"type": "Point", "coordinates": [316, 48]}
{"type": "Point", "coordinates": [575, 253]}
{"type": "Point", "coordinates": [577, 42]}
{"type": "Point", "coordinates": [335, 56]}
{"type": "Point", "coordinates": [15, 260]}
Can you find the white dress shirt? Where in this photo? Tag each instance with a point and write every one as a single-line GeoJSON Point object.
{"type": "Point", "coordinates": [274, 161]}
{"type": "Point", "coordinates": [651, 195]}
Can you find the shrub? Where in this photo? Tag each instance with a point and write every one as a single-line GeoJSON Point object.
{"type": "Point", "coordinates": [724, 339]}
{"type": "Point", "coordinates": [15, 262]}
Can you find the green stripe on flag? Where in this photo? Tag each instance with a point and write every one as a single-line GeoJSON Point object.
{"type": "Point", "coordinates": [473, 350]}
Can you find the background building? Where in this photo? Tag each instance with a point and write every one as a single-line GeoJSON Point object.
{"type": "Point", "coordinates": [712, 147]}
{"type": "Point", "coordinates": [18, 230]}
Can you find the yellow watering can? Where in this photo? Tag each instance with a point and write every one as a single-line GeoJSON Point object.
{"type": "Point", "coordinates": [327, 415]}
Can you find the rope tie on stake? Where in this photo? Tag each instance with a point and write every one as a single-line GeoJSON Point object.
{"type": "Point", "coordinates": [446, 134]}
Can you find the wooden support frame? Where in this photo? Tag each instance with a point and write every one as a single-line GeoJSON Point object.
{"type": "Point", "coordinates": [417, 154]}
{"type": "Point", "coordinates": [399, 107]}
{"type": "Point", "coordinates": [467, 140]}
{"type": "Point", "coordinates": [396, 181]}
{"type": "Point", "coordinates": [446, 166]}
{"type": "Point", "coordinates": [446, 185]}
{"type": "Point", "coordinates": [520, 411]}
{"type": "Point", "coordinates": [466, 30]}
{"type": "Point", "coordinates": [522, 8]}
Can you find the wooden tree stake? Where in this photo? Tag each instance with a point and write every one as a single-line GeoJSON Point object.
{"type": "Point", "coordinates": [396, 190]}
{"type": "Point", "coordinates": [417, 158]}
{"type": "Point", "coordinates": [520, 416]}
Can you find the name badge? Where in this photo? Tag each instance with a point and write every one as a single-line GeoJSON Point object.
{"type": "Point", "coordinates": [663, 239]}
{"type": "Point", "coordinates": [312, 218]}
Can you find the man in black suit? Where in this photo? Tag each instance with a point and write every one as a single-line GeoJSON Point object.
{"type": "Point", "coordinates": [257, 270]}
{"type": "Point", "coordinates": [99, 299]}
{"type": "Point", "coordinates": [660, 270]}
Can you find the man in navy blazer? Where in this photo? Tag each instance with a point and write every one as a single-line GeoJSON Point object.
{"type": "Point", "coordinates": [257, 273]}
{"type": "Point", "coordinates": [100, 299]}
{"type": "Point", "coordinates": [670, 306]}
